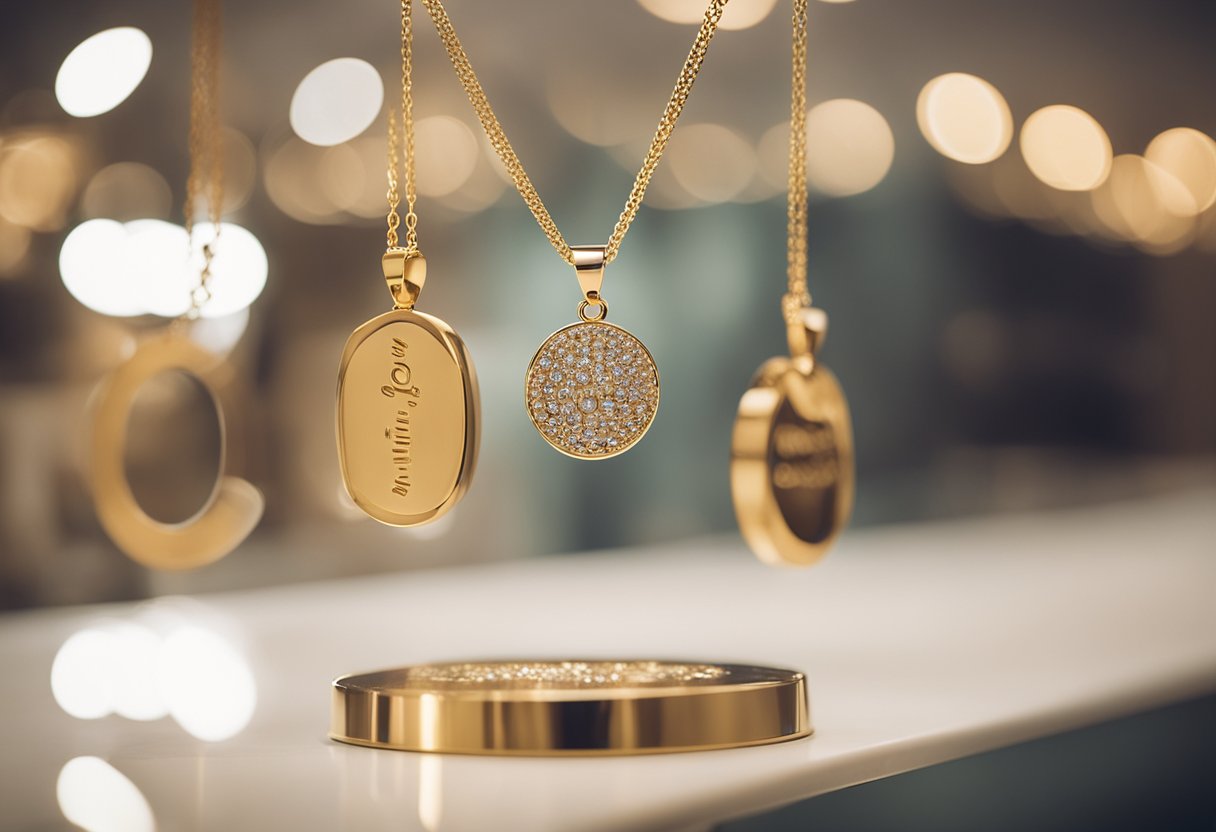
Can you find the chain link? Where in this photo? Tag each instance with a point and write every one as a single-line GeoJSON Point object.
{"type": "Point", "coordinates": [502, 146]}
{"type": "Point", "coordinates": [394, 141]}
{"type": "Point", "coordinates": [797, 296]}
{"type": "Point", "coordinates": [206, 177]}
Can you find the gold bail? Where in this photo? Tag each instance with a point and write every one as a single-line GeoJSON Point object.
{"type": "Point", "coordinates": [405, 273]}
{"type": "Point", "coordinates": [807, 332]}
{"type": "Point", "coordinates": [589, 266]}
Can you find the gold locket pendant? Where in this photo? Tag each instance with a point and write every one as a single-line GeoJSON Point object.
{"type": "Point", "coordinates": [791, 468]}
{"type": "Point", "coordinates": [408, 409]}
{"type": "Point", "coordinates": [592, 389]}
{"type": "Point", "coordinates": [232, 510]}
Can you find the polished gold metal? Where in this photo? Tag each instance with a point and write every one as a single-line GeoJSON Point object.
{"type": "Point", "coordinates": [506, 153]}
{"type": "Point", "coordinates": [570, 708]}
{"type": "Point", "coordinates": [408, 418]}
{"type": "Point", "coordinates": [791, 471]}
{"type": "Point", "coordinates": [592, 389]}
{"type": "Point", "coordinates": [408, 410]}
{"type": "Point", "coordinates": [234, 507]}
{"type": "Point", "coordinates": [405, 274]}
{"type": "Point", "coordinates": [589, 262]}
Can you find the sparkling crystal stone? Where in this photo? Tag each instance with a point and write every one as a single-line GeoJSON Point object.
{"type": "Point", "coordinates": [592, 389]}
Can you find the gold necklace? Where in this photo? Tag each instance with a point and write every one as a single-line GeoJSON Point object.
{"type": "Point", "coordinates": [408, 410]}
{"type": "Point", "coordinates": [592, 389]}
{"type": "Point", "coordinates": [791, 471]}
{"type": "Point", "coordinates": [234, 506]}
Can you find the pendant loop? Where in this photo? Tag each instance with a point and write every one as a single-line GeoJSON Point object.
{"type": "Point", "coordinates": [806, 332]}
{"type": "Point", "coordinates": [589, 262]}
{"type": "Point", "coordinates": [405, 273]}
{"type": "Point", "coordinates": [584, 304]}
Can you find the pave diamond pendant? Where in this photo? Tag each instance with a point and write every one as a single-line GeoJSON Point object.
{"type": "Point", "coordinates": [592, 389]}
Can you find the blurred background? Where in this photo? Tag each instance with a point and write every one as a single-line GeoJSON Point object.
{"type": "Point", "coordinates": [1012, 229]}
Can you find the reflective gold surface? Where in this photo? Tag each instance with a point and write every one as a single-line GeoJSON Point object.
{"type": "Point", "coordinates": [791, 470]}
{"type": "Point", "coordinates": [570, 708]}
{"type": "Point", "coordinates": [234, 507]}
{"type": "Point", "coordinates": [408, 417]}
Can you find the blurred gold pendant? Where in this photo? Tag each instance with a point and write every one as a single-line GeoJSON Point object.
{"type": "Point", "coordinates": [791, 471]}
{"type": "Point", "coordinates": [230, 513]}
{"type": "Point", "coordinates": [592, 389]}
{"type": "Point", "coordinates": [408, 410]}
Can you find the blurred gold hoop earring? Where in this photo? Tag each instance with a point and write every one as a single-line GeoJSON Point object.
{"type": "Point", "coordinates": [230, 513]}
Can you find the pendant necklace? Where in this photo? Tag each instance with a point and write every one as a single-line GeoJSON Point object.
{"type": "Point", "coordinates": [407, 409]}
{"type": "Point", "coordinates": [234, 506]}
{"type": "Point", "coordinates": [592, 389]}
{"type": "Point", "coordinates": [791, 471]}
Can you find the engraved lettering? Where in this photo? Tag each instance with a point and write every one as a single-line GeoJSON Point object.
{"type": "Point", "coordinates": [806, 457]}
{"type": "Point", "coordinates": [400, 433]}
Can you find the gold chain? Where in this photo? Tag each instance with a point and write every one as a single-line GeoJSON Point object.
{"type": "Point", "coordinates": [206, 142]}
{"type": "Point", "coordinates": [498, 138]}
{"type": "Point", "coordinates": [797, 296]}
{"type": "Point", "coordinates": [394, 151]}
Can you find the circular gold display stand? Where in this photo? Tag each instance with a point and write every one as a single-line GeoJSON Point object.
{"type": "Point", "coordinates": [570, 708]}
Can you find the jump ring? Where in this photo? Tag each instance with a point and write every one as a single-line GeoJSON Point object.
{"type": "Point", "coordinates": [584, 304]}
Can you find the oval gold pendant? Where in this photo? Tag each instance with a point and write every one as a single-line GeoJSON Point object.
{"type": "Point", "coordinates": [230, 513]}
{"type": "Point", "coordinates": [791, 470]}
{"type": "Point", "coordinates": [408, 417]}
{"type": "Point", "coordinates": [592, 390]}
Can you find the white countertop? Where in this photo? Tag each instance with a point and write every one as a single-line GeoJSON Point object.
{"type": "Point", "coordinates": [922, 644]}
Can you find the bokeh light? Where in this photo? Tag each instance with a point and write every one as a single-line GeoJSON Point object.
{"type": "Point", "coordinates": [964, 118]}
{"type": "Point", "coordinates": [735, 16]}
{"type": "Point", "coordinates": [342, 177]}
{"type": "Point", "coordinates": [293, 180]}
{"type": "Point", "coordinates": [207, 685]}
{"type": "Point", "coordinates": [622, 109]}
{"type": "Point", "coordinates": [711, 161]}
{"type": "Point", "coordinates": [126, 191]}
{"type": "Point", "coordinates": [38, 178]}
{"type": "Point", "coordinates": [1189, 156]}
{"type": "Point", "coordinates": [220, 335]}
{"type": "Point", "coordinates": [850, 147]}
{"type": "Point", "coordinates": [336, 101]}
{"type": "Point", "coordinates": [14, 247]}
{"type": "Point", "coordinates": [1066, 148]}
{"type": "Point", "coordinates": [92, 268]}
{"type": "Point", "coordinates": [1140, 203]}
{"type": "Point", "coordinates": [162, 665]}
{"type": "Point", "coordinates": [102, 71]}
{"type": "Point", "coordinates": [240, 170]}
{"type": "Point", "coordinates": [97, 797]}
{"type": "Point", "coordinates": [238, 272]}
{"type": "Point", "coordinates": [146, 267]}
{"type": "Point", "coordinates": [81, 674]}
{"type": "Point", "coordinates": [447, 152]}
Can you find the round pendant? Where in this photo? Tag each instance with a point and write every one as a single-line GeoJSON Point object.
{"type": "Point", "coordinates": [592, 390]}
{"type": "Point", "coordinates": [791, 470]}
